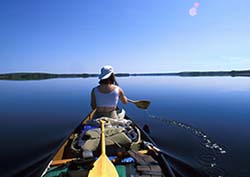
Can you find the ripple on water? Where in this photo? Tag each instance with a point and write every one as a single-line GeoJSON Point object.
{"type": "Point", "coordinates": [212, 150]}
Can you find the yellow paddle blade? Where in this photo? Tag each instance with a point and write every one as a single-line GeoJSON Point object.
{"type": "Point", "coordinates": [103, 167]}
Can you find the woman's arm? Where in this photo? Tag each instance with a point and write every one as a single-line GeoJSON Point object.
{"type": "Point", "coordinates": [122, 97]}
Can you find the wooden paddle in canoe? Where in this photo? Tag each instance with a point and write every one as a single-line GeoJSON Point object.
{"type": "Point", "coordinates": [103, 167]}
{"type": "Point", "coordinates": [143, 104]}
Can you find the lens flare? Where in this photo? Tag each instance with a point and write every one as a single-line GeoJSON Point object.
{"type": "Point", "coordinates": [196, 4]}
{"type": "Point", "coordinates": [193, 11]}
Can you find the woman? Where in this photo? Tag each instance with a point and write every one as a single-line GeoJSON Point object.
{"type": "Point", "coordinates": [105, 97]}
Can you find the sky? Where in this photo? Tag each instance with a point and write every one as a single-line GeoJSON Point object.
{"type": "Point", "coordinates": [134, 36]}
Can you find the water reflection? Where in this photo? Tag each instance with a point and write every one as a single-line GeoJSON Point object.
{"type": "Point", "coordinates": [214, 109]}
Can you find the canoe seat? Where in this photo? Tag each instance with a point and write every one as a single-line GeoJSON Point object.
{"type": "Point", "coordinates": [154, 170]}
{"type": "Point", "coordinates": [147, 166]}
{"type": "Point", "coordinates": [142, 159]}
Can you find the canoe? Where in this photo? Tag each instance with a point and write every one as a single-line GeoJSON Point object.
{"type": "Point", "coordinates": [128, 147]}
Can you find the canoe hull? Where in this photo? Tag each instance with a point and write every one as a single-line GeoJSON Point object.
{"type": "Point", "coordinates": [131, 159]}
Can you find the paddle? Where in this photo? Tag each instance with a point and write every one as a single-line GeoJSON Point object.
{"type": "Point", "coordinates": [103, 167]}
{"type": "Point", "coordinates": [158, 150]}
{"type": "Point", "coordinates": [143, 104]}
{"type": "Point", "coordinates": [176, 163]}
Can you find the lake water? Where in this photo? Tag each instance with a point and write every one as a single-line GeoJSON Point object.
{"type": "Point", "coordinates": [201, 121]}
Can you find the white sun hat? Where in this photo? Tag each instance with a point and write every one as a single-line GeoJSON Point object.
{"type": "Point", "coordinates": [106, 72]}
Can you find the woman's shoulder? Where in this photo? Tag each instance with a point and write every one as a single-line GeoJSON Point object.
{"type": "Point", "coordinates": [116, 87]}
{"type": "Point", "coordinates": [94, 88]}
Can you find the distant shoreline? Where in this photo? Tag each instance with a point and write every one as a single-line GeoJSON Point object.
{"type": "Point", "coordinates": [42, 76]}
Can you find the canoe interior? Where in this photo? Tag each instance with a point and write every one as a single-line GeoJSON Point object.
{"type": "Point", "coordinates": [125, 147]}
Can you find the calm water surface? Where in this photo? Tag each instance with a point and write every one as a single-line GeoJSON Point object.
{"type": "Point", "coordinates": [202, 121]}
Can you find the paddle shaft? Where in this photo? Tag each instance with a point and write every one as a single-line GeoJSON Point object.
{"type": "Point", "coordinates": [158, 150]}
{"type": "Point", "coordinates": [131, 101]}
{"type": "Point", "coordinates": [103, 138]}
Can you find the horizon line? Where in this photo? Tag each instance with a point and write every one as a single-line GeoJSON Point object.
{"type": "Point", "coordinates": [131, 73]}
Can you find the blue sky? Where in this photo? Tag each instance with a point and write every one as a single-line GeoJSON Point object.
{"type": "Point", "coordinates": [63, 36]}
